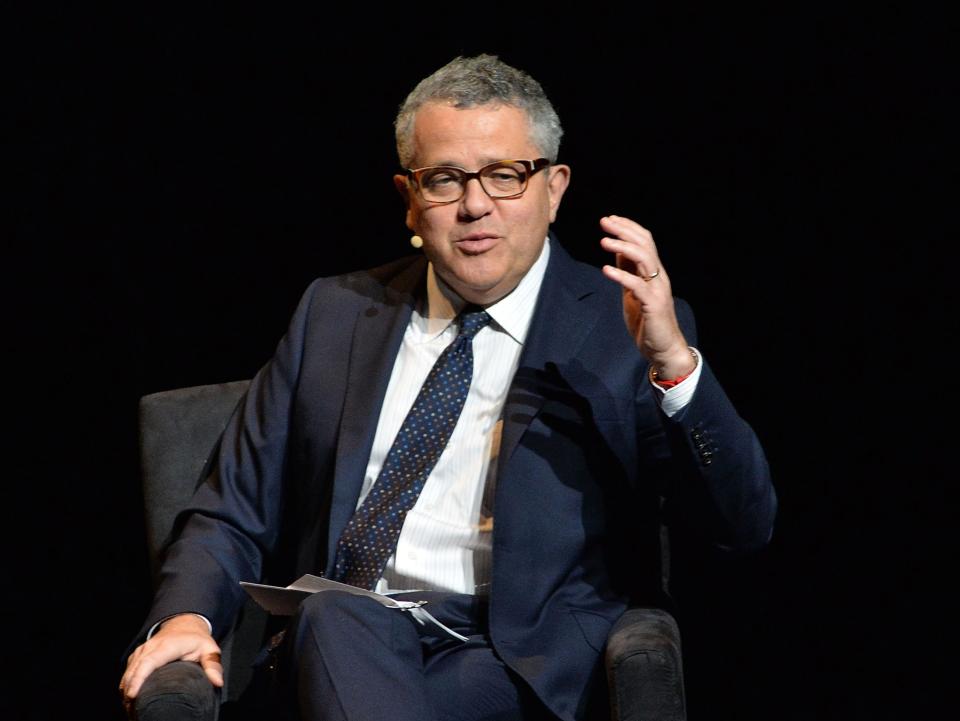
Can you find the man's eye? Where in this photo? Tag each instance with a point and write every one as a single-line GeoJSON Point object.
{"type": "Point", "coordinates": [440, 180]}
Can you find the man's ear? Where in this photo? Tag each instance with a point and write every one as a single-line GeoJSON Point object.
{"type": "Point", "coordinates": [403, 187]}
{"type": "Point", "coordinates": [556, 186]}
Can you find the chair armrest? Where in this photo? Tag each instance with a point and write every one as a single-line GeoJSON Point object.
{"type": "Point", "coordinates": [179, 690]}
{"type": "Point", "coordinates": [644, 667]}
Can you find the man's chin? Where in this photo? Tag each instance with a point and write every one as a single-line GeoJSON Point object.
{"type": "Point", "coordinates": [485, 293]}
{"type": "Point", "coordinates": [473, 288]}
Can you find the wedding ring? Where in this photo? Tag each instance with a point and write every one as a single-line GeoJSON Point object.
{"type": "Point", "coordinates": [651, 277]}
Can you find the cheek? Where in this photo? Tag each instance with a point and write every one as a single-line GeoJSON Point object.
{"type": "Point", "coordinates": [533, 224]}
{"type": "Point", "coordinates": [430, 222]}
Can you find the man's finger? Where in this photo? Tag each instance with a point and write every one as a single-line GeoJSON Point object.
{"type": "Point", "coordinates": [212, 666]}
{"type": "Point", "coordinates": [627, 229]}
{"type": "Point", "coordinates": [632, 258]}
{"type": "Point", "coordinates": [630, 227]}
{"type": "Point", "coordinates": [632, 250]}
{"type": "Point", "coordinates": [136, 675]}
{"type": "Point", "coordinates": [132, 661]}
{"type": "Point", "coordinates": [630, 282]}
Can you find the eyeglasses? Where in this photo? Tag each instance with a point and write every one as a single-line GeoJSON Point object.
{"type": "Point", "coordinates": [503, 179]}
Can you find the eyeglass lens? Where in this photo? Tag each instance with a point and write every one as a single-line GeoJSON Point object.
{"type": "Point", "coordinates": [499, 180]}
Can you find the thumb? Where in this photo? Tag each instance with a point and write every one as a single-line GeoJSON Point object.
{"type": "Point", "coordinates": [212, 667]}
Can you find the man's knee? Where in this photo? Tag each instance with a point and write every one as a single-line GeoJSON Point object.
{"type": "Point", "coordinates": [338, 610]}
{"type": "Point", "coordinates": [347, 656]}
{"type": "Point", "coordinates": [178, 690]}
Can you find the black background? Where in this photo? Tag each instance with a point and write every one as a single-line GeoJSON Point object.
{"type": "Point", "coordinates": [179, 177]}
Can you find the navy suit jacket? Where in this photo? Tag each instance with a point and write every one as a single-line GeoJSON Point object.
{"type": "Point", "coordinates": [586, 456]}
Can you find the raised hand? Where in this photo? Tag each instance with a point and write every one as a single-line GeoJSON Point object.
{"type": "Point", "coordinates": [647, 297]}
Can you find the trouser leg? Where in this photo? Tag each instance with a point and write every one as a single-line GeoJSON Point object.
{"type": "Point", "coordinates": [468, 681]}
{"type": "Point", "coordinates": [348, 658]}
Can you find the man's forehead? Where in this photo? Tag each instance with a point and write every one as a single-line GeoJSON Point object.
{"type": "Point", "coordinates": [453, 105]}
{"type": "Point", "coordinates": [480, 134]}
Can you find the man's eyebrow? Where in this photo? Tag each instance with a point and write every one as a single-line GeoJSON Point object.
{"type": "Point", "coordinates": [487, 160]}
{"type": "Point", "coordinates": [445, 163]}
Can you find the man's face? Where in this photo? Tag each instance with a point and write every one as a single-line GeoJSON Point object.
{"type": "Point", "coordinates": [480, 246]}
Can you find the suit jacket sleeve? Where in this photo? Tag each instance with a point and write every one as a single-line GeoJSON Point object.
{"type": "Point", "coordinates": [233, 520]}
{"type": "Point", "coordinates": [723, 487]}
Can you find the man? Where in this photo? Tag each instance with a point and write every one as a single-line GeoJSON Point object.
{"type": "Point", "coordinates": [532, 517]}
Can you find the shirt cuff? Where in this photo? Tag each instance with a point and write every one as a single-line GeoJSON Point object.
{"type": "Point", "coordinates": [673, 400]}
{"type": "Point", "coordinates": [154, 627]}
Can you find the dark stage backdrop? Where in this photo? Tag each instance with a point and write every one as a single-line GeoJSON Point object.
{"type": "Point", "coordinates": [179, 177]}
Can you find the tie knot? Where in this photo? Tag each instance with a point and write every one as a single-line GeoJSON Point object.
{"type": "Point", "coordinates": [473, 318]}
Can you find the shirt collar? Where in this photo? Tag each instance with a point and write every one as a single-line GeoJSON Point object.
{"type": "Point", "coordinates": [513, 313]}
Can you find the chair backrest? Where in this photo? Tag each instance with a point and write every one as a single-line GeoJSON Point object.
{"type": "Point", "coordinates": [179, 430]}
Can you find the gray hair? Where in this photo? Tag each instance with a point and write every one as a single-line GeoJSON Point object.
{"type": "Point", "coordinates": [468, 82]}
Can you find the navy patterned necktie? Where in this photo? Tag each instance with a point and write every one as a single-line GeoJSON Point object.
{"type": "Point", "coordinates": [371, 535]}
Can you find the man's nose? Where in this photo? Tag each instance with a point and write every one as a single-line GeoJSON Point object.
{"type": "Point", "coordinates": [475, 202]}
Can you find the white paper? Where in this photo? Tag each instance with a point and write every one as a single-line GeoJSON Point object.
{"type": "Point", "coordinates": [284, 601]}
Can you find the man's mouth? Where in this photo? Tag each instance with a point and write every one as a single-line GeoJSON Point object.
{"type": "Point", "coordinates": [478, 242]}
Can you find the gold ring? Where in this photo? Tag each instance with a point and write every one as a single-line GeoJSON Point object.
{"type": "Point", "coordinates": [655, 274]}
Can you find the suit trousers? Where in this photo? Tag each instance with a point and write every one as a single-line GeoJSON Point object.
{"type": "Point", "coordinates": [348, 658]}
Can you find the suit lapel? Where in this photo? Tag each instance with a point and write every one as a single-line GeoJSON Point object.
{"type": "Point", "coordinates": [561, 323]}
{"type": "Point", "coordinates": [377, 335]}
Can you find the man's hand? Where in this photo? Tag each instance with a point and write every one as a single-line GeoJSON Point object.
{"type": "Point", "coordinates": [181, 638]}
{"type": "Point", "coordinates": [647, 298]}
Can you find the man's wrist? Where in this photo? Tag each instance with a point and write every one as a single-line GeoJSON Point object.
{"type": "Point", "coordinates": [189, 615]}
{"type": "Point", "coordinates": [670, 373]}
{"type": "Point", "coordinates": [675, 398]}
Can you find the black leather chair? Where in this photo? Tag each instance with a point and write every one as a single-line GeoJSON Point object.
{"type": "Point", "coordinates": [178, 431]}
